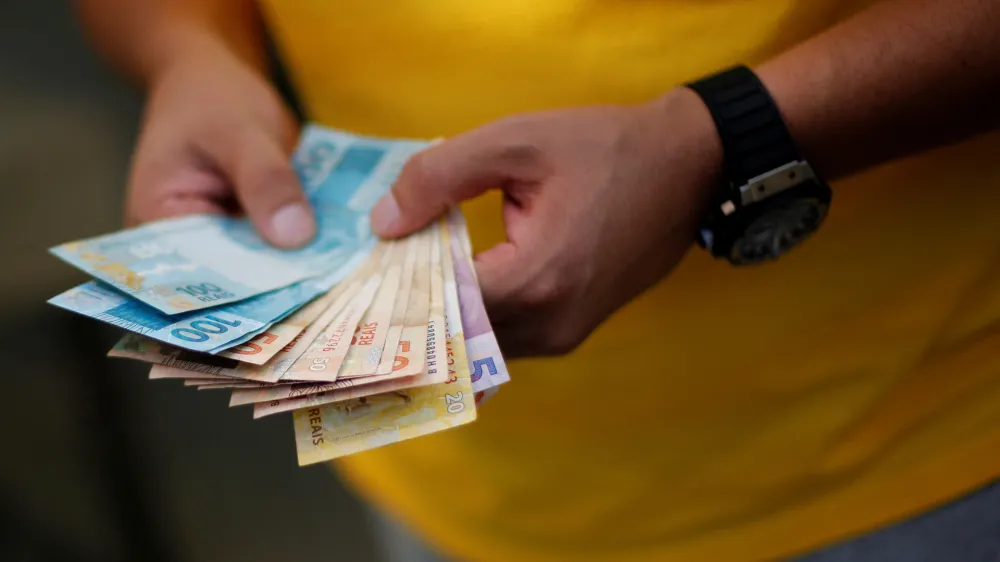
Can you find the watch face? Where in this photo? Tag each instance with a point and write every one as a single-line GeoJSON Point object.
{"type": "Point", "coordinates": [778, 230]}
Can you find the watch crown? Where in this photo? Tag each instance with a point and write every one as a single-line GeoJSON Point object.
{"type": "Point", "coordinates": [706, 238]}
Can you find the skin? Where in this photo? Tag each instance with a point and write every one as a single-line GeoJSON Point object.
{"type": "Point", "coordinates": [221, 146]}
{"type": "Point", "coordinates": [216, 136]}
{"type": "Point", "coordinates": [573, 179]}
{"type": "Point", "coordinates": [601, 202]}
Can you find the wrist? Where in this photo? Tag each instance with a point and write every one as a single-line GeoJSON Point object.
{"type": "Point", "coordinates": [684, 130]}
{"type": "Point", "coordinates": [181, 42]}
{"type": "Point", "coordinates": [769, 198]}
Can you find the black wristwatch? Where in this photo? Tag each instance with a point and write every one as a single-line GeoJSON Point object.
{"type": "Point", "coordinates": [770, 199]}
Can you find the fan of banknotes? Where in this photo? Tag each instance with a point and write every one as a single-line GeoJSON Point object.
{"type": "Point", "coordinates": [367, 342]}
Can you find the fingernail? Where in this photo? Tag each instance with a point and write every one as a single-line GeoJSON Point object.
{"type": "Point", "coordinates": [293, 225]}
{"type": "Point", "coordinates": [385, 214]}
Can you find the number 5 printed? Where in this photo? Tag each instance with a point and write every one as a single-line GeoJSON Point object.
{"type": "Point", "coordinates": [477, 368]}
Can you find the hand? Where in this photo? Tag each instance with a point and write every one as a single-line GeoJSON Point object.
{"type": "Point", "coordinates": [216, 138]}
{"type": "Point", "coordinates": [600, 203]}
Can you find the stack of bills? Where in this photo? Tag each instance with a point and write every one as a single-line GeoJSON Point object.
{"type": "Point", "coordinates": [367, 342]}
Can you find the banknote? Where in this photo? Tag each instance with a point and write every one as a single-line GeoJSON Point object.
{"type": "Point", "coordinates": [176, 373]}
{"type": "Point", "coordinates": [342, 428]}
{"type": "Point", "coordinates": [202, 382]}
{"type": "Point", "coordinates": [410, 351]}
{"type": "Point", "coordinates": [264, 346]}
{"type": "Point", "coordinates": [185, 264]}
{"type": "Point", "coordinates": [284, 399]}
{"type": "Point", "coordinates": [261, 347]}
{"type": "Point", "coordinates": [388, 356]}
{"type": "Point", "coordinates": [206, 385]}
{"type": "Point", "coordinates": [222, 386]}
{"type": "Point", "coordinates": [214, 386]}
{"type": "Point", "coordinates": [450, 297]}
{"type": "Point", "coordinates": [335, 430]}
{"type": "Point", "coordinates": [173, 362]}
{"type": "Point", "coordinates": [165, 356]}
{"type": "Point", "coordinates": [324, 356]}
{"type": "Point", "coordinates": [274, 393]}
{"type": "Point", "coordinates": [341, 170]}
{"type": "Point", "coordinates": [286, 357]}
{"type": "Point", "coordinates": [421, 337]}
{"type": "Point", "coordinates": [275, 399]}
{"type": "Point", "coordinates": [218, 384]}
{"type": "Point", "coordinates": [180, 265]}
{"type": "Point", "coordinates": [433, 372]}
{"type": "Point", "coordinates": [205, 331]}
{"type": "Point", "coordinates": [487, 364]}
{"type": "Point", "coordinates": [366, 346]}
{"type": "Point", "coordinates": [484, 395]}
{"type": "Point", "coordinates": [368, 342]}
{"type": "Point", "coordinates": [160, 372]}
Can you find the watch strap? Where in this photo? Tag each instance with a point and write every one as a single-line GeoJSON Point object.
{"type": "Point", "coordinates": [755, 139]}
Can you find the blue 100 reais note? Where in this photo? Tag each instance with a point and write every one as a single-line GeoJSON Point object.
{"type": "Point", "coordinates": [207, 331]}
{"type": "Point", "coordinates": [191, 263]}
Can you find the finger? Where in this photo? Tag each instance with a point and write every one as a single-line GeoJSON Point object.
{"type": "Point", "coordinates": [175, 207]}
{"type": "Point", "coordinates": [525, 333]}
{"type": "Point", "coordinates": [164, 184]}
{"type": "Point", "coordinates": [269, 190]}
{"type": "Point", "coordinates": [496, 270]}
{"type": "Point", "coordinates": [515, 338]}
{"type": "Point", "coordinates": [440, 176]}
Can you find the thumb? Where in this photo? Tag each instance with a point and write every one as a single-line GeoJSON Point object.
{"type": "Point", "coordinates": [496, 272]}
{"type": "Point", "coordinates": [269, 190]}
{"type": "Point", "coordinates": [438, 177]}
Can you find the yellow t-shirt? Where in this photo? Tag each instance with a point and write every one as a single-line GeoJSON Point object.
{"type": "Point", "coordinates": [729, 414]}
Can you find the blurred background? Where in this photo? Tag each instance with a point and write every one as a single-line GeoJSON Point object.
{"type": "Point", "coordinates": [98, 463]}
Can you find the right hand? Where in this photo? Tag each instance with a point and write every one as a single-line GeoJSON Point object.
{"type": "Point", "coordinates": [216, 138]}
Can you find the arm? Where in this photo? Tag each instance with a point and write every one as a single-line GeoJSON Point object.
{"type": "Point", "coordinates": [142, 36]}
{"type": "Point", "coordinates": [898, 78]}
{"type": "Point", "coordinates": [603, 202]}
{"type": "Point", "coordinates": [216, 136]}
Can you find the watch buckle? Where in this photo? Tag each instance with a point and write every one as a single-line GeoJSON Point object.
{"type": "Point", "coordinates": [774, 182]}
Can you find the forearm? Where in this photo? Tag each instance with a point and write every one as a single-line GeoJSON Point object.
{"type": "Point", "coordinates": [142, 36]}
{"type": "Point", "coordinates": [900, 77]}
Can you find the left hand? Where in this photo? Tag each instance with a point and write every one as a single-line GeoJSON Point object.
{"type": "Point", "coordinates": [600, 204]}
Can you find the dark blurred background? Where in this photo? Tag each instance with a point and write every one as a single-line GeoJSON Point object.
{"type": "Point", "coordinates": [97, 463]}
